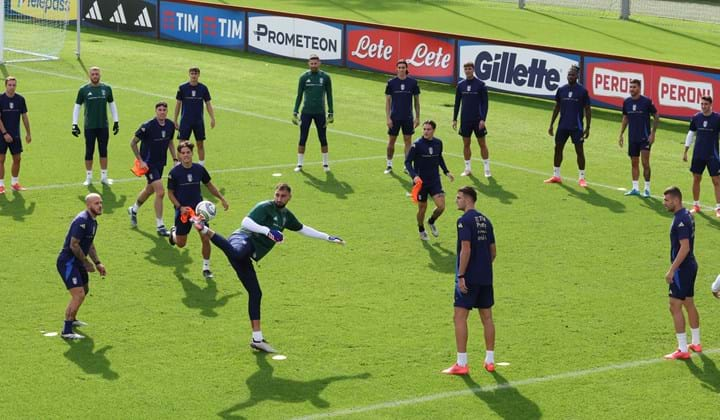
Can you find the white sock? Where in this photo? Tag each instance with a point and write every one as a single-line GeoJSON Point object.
{"type": "Point", "coordinates": [556, 171]}
{"type": "Point", "coordinates": [696, 203]}
{"type": "Point", "coordinates": [486, 164]}
{"type": "Point", "coordinates": [581, 174]}
{"type": "Point", "coordinates": [14, 180]}
{"type": "Point", "coordinates": [159, 222]}
{"type": "Point", "coordinates": [717, 206]}
{"type": "Point", "coordinates": [325, 159]}
{"type": "Point", "coordinates": [682, 341]}
{"type": "Point", "coordinates": [490, 356]}
{"type": "Point", "coordinates": [201, 162]}
{"type": "Point", "coordinates": [257, 336]}
{"type": "Point", "coordinates": [88, 174]}
{"type": "Point", "coordinates": [467, 165]}
{"type": "Point", "coordinates": [2, 182]}
{"type": "Point", "coordinates": [695, 335]}
{"type": "Point", "coordinates": [636, 185]}
{"type": "Point", "coordinates": [389, 163]}
{"type": "Point", "coordinates": [103, 173]}
{"type": "Point", "coordinates": [206, 264]}
{"type": "Point", "coordinates": [462, 359]}
{"type": "Point", "coordinates": [647, 185]}
{"type": "Point", "coordinates": [136, 207]}
{"type": "Point", "coordinates": [301, 159]}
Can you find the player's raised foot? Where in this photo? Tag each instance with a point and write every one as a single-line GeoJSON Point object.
{"type": "Point", "coordinates": [434, 230]}
{"type": "Point", "coordinates": [488, 174]}
{"type": "Point", "coordinates": [466, 172]}
{"type": "Point", "coordinates": [457, 370]}
{"type": "Point", "coordinates": [133, 216]}
{"type": "Point", "coordinates": [78, 323]}
{"type": "Point", "coordinates": [72, 336]}
{"type": "Point", "coordinates": [298, 168]}
{"type": "Point", "coordinates": [2, 189]}
{"type": "Point", "coordinates": [87, 182]}
{"type": "Point", "coordinates": [582, 183]}
{"type": "Point", "coordinates": [106, 181]}
{"type": "Point", "coordinates": [490, 366]}
{"type": "Point", "coordinates": [646, 193]}
{"type": "Point", "coordinates": [553, 180]}
{"type": "Point", "coordinates": [677, 354]}
{"type": "Point", "coordinates": [208, 274]}
{"type": "Point", "coordinates": [717, 212]}
{"type": "Point", "coordinates": [695, 348]}
{"type": "Point", "coordinates": [387, 170]}
{"type": "Point", "coordinates": [171, 236]}
{"type": "Point", "coordinates": [262, 346]}
{"type": "Point", "coordinates": [633, 192]}
{"type": "Point", "coordinates": [326, 168]}
{"type": "Point", "coordinates": [17, 187]}
{"type": "Point", "coordinates": [695, 209]}
{"type": "Point", "coordinates": [162, 231]}
{"type": "Point", "coordinates": [424, 236]}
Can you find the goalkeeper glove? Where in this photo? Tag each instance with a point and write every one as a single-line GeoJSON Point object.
{"type": "Point", "coordinates": [330, 118]}
{"type": "Point", "coordinates": [295, 118]}
{"type": "Point", "coordinates": [75, 130]}
{"type": "Point", "coordinates": [275, 236]}
{"type": "Point", "coordinates": [336, 240]}
{"type": "Point", "coordinates": [116, 128]}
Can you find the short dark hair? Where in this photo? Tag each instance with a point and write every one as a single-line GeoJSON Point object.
{"type": "Point", "coordinates": [431, 123]}
{"type": "Point", "coordinates": [183, 144]}
{"type": "Point", "coordinates": [283, 186]}
{"type": "Point", "coordinates": [469, 64]}
{"type": "Point", "coordinates": [707, 98]}
{"type": "Point", "coordinates": [469, 191]}
{"type": "Point", "coordinates": [636, 82]}
{"type": "Point", "coordinates": [673, 192]}
{"type": "Point", "coordinates": [403, 61]}
{"type": "Point", "coordinates": [575, 68]}
{"type": "Point", "coordinates": [194, 70]}
{"type": "Point", "coordinates": [161, 103]}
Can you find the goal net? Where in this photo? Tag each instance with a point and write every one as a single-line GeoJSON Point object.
{"type": "Point", "coordinates": [34, 30]}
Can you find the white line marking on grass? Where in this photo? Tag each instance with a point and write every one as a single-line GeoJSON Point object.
{"type": "Point", "coordinates": [331, 130]}
{"type": "Point", "coordinates": [42, 92]}
{"type": "Point", "coordinates": [493, 387]}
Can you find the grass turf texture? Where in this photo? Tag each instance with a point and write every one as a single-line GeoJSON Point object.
{"type": "Point", "coordinates": [579, 272]}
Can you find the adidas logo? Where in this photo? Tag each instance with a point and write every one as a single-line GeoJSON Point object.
{"type": "Point", "coordinates": [94, 12]}
{"type": "Point", "coordinates": [143, 20]}
{"type": "Point", "coordinates": [119, 15]}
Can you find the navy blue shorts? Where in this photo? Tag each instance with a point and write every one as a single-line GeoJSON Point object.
{"type": "Point", "coordinates": [182, 229]}
{"type": "Point", "coordinates": [430, 190]}
{"type": "Point", "coordinates": [562, 135]}
{"type": "Point", "coordinates": [72, 273]}
{"type": "Point", "coordinates": [407, 126]}
{"type": "Point", "coordinates": [683, 285]}
{"type": "Point", "coordinates": [478, 296]}
{"type": "Point", "coordinates": [197, 128]}
{"type": "Point", "coordinates": [320, 125]}
{"type": "Point", "coordinates": [15, 147]}
{"type": "Point", "coordinates": [469, 127]}
{"type": "Point", "coordinates": [697, 166]}
{"type": "Point", "coordinates": [154, 173]}
{"type": "Point", "coordinates": [635, 148]}
{"type": "Point", "coordinates": [102, 135]}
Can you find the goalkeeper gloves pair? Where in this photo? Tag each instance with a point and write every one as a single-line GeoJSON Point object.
{"type": "Point", "coordinates": [76, 129]}
{"type": "Point", "coordinates": [295, 119]}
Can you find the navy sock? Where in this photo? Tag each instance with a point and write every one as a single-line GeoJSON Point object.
{"type": "Point", "coordinates": [431, 220]}
{"type": "Point", "coordinates": [68, 327]}
{"type": "Point", "coordinates": [421, 229]}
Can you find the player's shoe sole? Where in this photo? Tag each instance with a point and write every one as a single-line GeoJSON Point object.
{"type": "Point", "coordinates": [133, 216]}
{"type": "Point", "coordinates": [678, 355]}
{"type": "Point", "coordinates": [171, 237]}
{"type": "Point", "coordinates": [262, 346]}
{"type": "Point", "coordinates": [633, 192]}
{"type": "Point", "coordinates": [490, 367]}
{"type": "Point", "coordinates": [553, 180]}
{"type": "Point", "coordinates": [695, 348]}
{"type": "Point", "coordinates": [457, 370]}
{"type": "Point", "coordinates": [72, 336]}
{"type": "Point", "coordinates": [17, 187]}
{"type": "Point", "coordinates": [695, 209]}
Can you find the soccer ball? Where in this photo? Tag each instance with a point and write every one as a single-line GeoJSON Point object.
{"type": "Point", "coordinates": [716, 285]}
{"type": "Point", "coordinates": [206, 209]}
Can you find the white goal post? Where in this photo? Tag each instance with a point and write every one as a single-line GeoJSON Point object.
{"type": "Point", "coordinates": [35, 30]}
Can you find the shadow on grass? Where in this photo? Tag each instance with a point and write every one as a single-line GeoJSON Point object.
{"type": "Point", "coordinates": [17, 208]}
{"type": "Point", "coordinates": [504, 399]}
{"type": "Point", "coordinates": [263, 386]}
{"type": "Point", "coordinates": [92, 362]}
{"type": "Point", "coordinates": [710, 218]}
{"type": "Point", "coordinates": [110, 200]}
{"type": "Point", "coordinates": [203, 298]}
{"type": "Point", "coordinates": [442, 259]}
{"type": "Point", "coordinates": [493, 189]}
{"type": "Point", "coordinates": [592, 197]}
{"type": "Point", "coordinates": [330, 185]}
{"type": "Point", "coordinates": [654, 204]}
{"type": "Point", "coordinates": [708, 374]}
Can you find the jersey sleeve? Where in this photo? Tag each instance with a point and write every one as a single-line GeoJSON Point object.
{"type": "Point", "coordinates": [388, 89]}
{"type": "Point", "coordinates": [652, 109]}
{"type": "Point", "coordinates": [557, 96]}
{"type": "Point", "coordinates": [624, 108]}
{"type": "Point", "coordinates": [292, 223]}
{"type": "Point", "coordinates": [205, 176]}
{"type": "Point", "coordinates": [483, 102]}
{"type": "Point", "coordinates": [77, 228]}
{"type": "Point", "coordinates": [141, 132]}
{"type": "Point", "coordinates": [693, 126]}
{"type": "Point", "coordinates": [206, 95]}
{"type": "Point", "coordinates": [416, 89]}
{"type": "Point", "coordinates": [684, 229]}
{"type": "Point", "coordinates": [464, 230]}
{"type": "Point", "coordinates": [458, 97]}
{"type": "Point", "coordinates": [80, 97]}
{"type": "Point", "coordinates": [171, 183]}
{"type": "Point", "coordinates": [328, 91]}
{"type": "Point", "coordinates": [409, 160]}
{"type": "Point", "coordinates": [23, 106]}
{"type": "Point", "coordinates": [110, 97]}
{"type": "Point", "coordinates": [585, 98]}
{"type": "Point", "coordinates": [179, 94]}
{"type": "Point", "coordinates": [298, 98]}
{"type": "Point", "coordinates": [490, 233]}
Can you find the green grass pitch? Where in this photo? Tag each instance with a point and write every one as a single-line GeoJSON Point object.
{"type": "Point", "coordinates": [581, 306]}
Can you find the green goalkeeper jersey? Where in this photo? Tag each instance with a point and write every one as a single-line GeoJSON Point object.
{"type": "Point", "coordinates": [312, 88]}
{"type": "Point", "coordinates": [95, 99]}
{"type": "Point", "coordinates": [266, 213]}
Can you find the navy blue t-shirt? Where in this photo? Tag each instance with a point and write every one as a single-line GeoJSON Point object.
{"type": "Point", "coordinates": [402, 92]}
{"type": "Point", "coordinates": [707, 129]}
{"type": "Point", "coordinates": [193, 98]}
{"type": "Point", "coordinates": [155, 141]}
{"type": "Point", "coordinates": [572, 100]}
{"type": "Point", "coordinates": [474, 96]}
{"type": "Point", "coordinates": [638, 113]}
{"type": "Point", "coordinates": [473, 226]}
{"type": "Point", "coordinates": [185, 183]}
{"type": "Point", "coordinates": [83, 227]}
{"type": "Point", "coordinates": [683, 227]}
{"type": "Point", "coordinates": [424, 159]}
{"type": "Point", "coordinates": [10, 111]}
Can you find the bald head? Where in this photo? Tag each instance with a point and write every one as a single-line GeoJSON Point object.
{"type": "Point", "coordinates": [94, 204]}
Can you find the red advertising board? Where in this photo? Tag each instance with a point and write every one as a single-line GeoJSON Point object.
{"type": "Point", "coordinates": [675, 92]}
{"type": "Point", "coordinates": [429, 58]}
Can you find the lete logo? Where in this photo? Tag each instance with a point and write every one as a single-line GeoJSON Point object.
{"type": "Point", "coordinates": [422, 56]}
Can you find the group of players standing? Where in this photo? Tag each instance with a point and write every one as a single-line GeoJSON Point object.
{"type": "Point", "coordinates": [263, 226]}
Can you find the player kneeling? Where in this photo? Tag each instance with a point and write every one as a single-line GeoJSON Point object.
{"type": "Point", "coordinates": [184, 192]}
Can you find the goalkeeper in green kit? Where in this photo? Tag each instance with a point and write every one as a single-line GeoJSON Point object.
{"type": "Point", "coordinates": [313, 85]}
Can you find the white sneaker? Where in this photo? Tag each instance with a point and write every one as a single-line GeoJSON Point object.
{"type": "Point", "coordinates": [487, 173]}
{"type": "Point", "coordinates": [387, 170]}
{"type": "Point", "coordinates": [106, 181]}
{"type": "Point", "coordinates": [646, 193]}
{"type": "Point", "coordinates": [298, 168]}
{"type": "Point", "coordinates": [434, 230]}
{"type": "Point", "coordinates": [87, 182]}
{"type": "Point", "coordinates": [78, 323]}
{"type": "Point", "coordinates": [466, 172]}
{"type": "Point", "coordinates": [72, 336]}
{"type": "Point", "coordinates": [262, 346]}
{"type": "Point", "coordinates": [326, 168]}
{"type": "Point", "coordinates": [424, 236]}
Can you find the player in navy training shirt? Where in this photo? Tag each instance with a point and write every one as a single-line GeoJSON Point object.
{"type": "Point", "coordinates": [706, 126]}
{"type": "Point", "coordinates": [184, 192]}
{"type": "Point", "coordinates": [422, 163]}
{"type": "Point", "coordinates": [681, 275]}
{"type": "Point", "coordinates": [77, 258]}
{"type": "Point", "coordinates": [156, 136]}
{"type": "Point", "coordinates": [473, 279]}
{"type": "Point", "coordinates": [400, 93]}
{"type": "Point", "coordinates": [473, 94]}
{"type": "Point", "coordinates": [190, 98]}
{"type": "Point", "coordinates": [12, 108]}
{"type": "Point", "coordinates": [637, 110]}
{"type": "Point", "coordinates": [572, 102]}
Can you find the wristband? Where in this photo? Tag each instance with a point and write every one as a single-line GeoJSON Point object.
{"type": "Point", "coordinates": [461, 276]}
